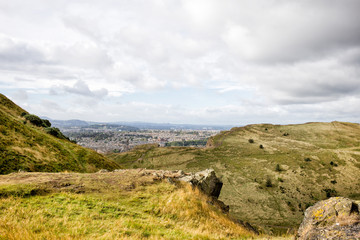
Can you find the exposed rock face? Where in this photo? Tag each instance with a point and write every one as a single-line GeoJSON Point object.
{"type": "Point", "coordinates": [334, 218]}
{"type": "Point", "coordinates": [206, 181]}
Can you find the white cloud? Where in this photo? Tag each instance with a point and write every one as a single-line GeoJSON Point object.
{"type": "Point", "coordinates": [81, 88]}
{"type": "Point", "coordinates": [266, 59]}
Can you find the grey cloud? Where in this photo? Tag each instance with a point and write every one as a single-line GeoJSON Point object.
{"type": "Point", "coordinates": [49, 106]}
{"type": "Point", "coordinates": [83, 26]}
{"type": "Point", "coordinates": [82, 56]}
{"type": "Point", "coordinates": [290, 31]}
{"type": "Point", "coordinates": [81, 88]}
{"type": "Point", "coordinates": [20, 95]}
{"type": "Point", "coordinates": [351, 56]}
{"type": "Point", "coordinates": [18, 53]}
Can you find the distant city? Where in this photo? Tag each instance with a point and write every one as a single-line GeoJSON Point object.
{"type": "Point", "coordinates": [123, 136]}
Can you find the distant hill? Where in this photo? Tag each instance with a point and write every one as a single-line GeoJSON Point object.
{"type": "Point", "coordinates": [134, 126]}
{"type": "Point", "coordinates": [68, 123]}
{"type": "Point", "coordinates": [271, 173]}
{"type": "Point", "coordinates": [29, 143]}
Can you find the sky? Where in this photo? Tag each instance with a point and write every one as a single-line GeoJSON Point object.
{"type": "Point", "coordinates": [228, 62]}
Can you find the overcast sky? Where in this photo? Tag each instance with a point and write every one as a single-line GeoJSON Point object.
{"type": "Point", "coordinates": [183, 61]}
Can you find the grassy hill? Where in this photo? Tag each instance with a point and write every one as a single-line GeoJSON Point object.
{"type": "Point", "coordinates": [32, 147]}
{"type": "Point", "coordinates": [115, 205]}
{"type": "Point", "coordinates": [271, 173]}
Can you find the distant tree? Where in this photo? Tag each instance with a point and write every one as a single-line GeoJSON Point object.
{"type": "Point", "coordinates": [251, 140]}
{"type": "Point", "coordinates": [261, 146]}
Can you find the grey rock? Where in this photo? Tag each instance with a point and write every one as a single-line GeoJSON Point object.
{"type": "Point", "coordinates": [334, 218]}
{"type": "Point", "coordinates": [206, 181]}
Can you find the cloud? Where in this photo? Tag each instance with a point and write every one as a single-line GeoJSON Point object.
{"type": "Point", "coordinates": [265, 59]}
{"type": "Point", "coordinates": [82, 55]}
{"type": "Point", "coordinates": [20, 95]}
{"type": "Point", "coordinates": [291, 31]}
{"type": "Point", "coordinates": [81, 88]}
{"type": "Point", "coordinates": [12, 52]}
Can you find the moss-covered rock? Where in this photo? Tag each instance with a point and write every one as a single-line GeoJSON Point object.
{"type": "Point", "coordinates": [334, 218]}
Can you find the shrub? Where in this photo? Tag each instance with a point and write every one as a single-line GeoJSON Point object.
{"type": "Point", "coordinates": [307, 159]}
{"type": "Point", "coordinates": [56, 133]}
{"type": "Point", "coordinates": [330, 192]}
{"type": "Point", "coordinates": [35, 120]}
{"type": "Point", "coordinates": [46, 123]}
{"type": "Point", "coordinates": [333, 164]}
{"type": "Point", "coordinates": [251, 140]}
{"type": "Point", "coordinates": [261, 146]}
{"type": "Point", "coordinates": [268, 182]}
{"type": "Point", "coordinates": [278, 168]}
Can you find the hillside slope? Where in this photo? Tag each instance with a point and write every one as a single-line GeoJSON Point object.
{"type": "Point", "coordinates": [271, 173]}
{"type": "Point", "coordinates": [24, 146]}
{"type": "Point", "coordinates": [128, 204]}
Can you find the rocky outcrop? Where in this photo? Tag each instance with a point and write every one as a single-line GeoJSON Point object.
{"type": "Point", "coordinates": [206, 181]}
{"type": "Point", "coordinates": [334, 218]}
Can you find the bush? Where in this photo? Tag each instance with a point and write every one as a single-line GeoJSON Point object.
{"type": "Point", "coordinates": [333, 164]}
{"type": "Point", "coordinates": [307, 159]}
{"type": "Point", "coordinates": [268, 182]}
{"type": "Point", "coordinates": [278, 168]}
{"type": "Point", "coordinates": [330, 192]}
{"type": "Point", "coordinates": [56, 133]}
{"type": "Point", "coordinates": [261, 146]}
{"type": "Point", "coordinates": [46, 123]}
{"type": "Point", "coordinates": [251, 140]}
{"type": "Point", "coordinates": [35, 120]}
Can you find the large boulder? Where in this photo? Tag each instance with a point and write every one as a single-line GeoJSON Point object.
{"type": "Point", "coordinates": [334, 218]}
{"type": "Point", "coordinates": [206, 181]}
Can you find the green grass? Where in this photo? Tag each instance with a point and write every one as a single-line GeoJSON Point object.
{"type": "Point", "coordinates": [245, 168]}
{"type": "Point", "coordinates": [150, 210]}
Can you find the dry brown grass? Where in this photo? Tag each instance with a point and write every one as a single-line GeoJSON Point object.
{"type": "Point", "coordinates": [121, 205]}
